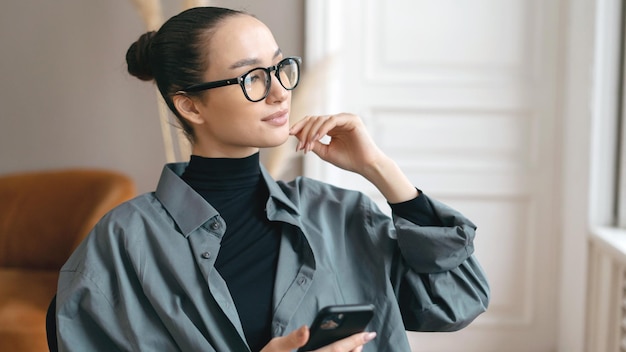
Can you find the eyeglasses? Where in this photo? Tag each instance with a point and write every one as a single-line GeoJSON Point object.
{"type": "Point", "coordinates": [256, 83]}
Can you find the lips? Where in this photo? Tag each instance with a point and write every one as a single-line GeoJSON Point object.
{"type": "Point", "coordinates": [278, 118]}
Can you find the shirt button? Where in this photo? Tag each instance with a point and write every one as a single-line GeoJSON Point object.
{"type": "Point", "coordinates": [206, 255]}
{"type": "Point", "coordinates": [277, 330]}
{"type": "Point", "coordinates": [215, 225]}
{"type": "Point", "coordinates": [301, 281]}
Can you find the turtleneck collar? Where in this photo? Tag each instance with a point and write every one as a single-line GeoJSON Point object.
{"type": "Point", "coordinates": [222, 173]}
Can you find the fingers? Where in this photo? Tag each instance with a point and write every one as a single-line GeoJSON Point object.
{"type": "Point", "coordinates": [353, 343]}
{"type": "Point", "coordinates": [308, 131]}
{"type": "Point", "coordinates": [288, 343]}
{"type": "Point", "coordinates": [312, 128]}
{"type": "Point", "coordinates": [298, 338]}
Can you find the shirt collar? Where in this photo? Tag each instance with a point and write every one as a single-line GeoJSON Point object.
{"type": "Point", "coordinates": [277, 193]}
{"type": "Point", "coordinates": [188, 209]}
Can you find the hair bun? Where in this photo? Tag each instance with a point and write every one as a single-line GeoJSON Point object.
{"type": "Point", "coordinates": [138, 57]}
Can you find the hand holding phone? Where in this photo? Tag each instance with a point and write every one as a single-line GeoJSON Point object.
{"type": "Point", "coordinates": [334, 323]}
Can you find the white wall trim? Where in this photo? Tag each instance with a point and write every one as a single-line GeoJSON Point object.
{"type": "Point", "coordinates": [588, 151]}
{"type": "Point", "coordinates": [576, 144]}
{"type": "Point", "coordinates": [604, 106]}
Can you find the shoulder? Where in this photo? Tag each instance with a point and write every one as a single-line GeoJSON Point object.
{"type": "Point", "coordinates": [123, 226]}
{"type": "Point", "coordinates": [312, 196]}
{"type": "Point", "coordinates": [130, 214]}
{"type": "Point", "coordinates": [314, 190]}
{"type": "Point", "coordinates": [113, 240]}
{"type": "Point", "coordinates": [141, 205]}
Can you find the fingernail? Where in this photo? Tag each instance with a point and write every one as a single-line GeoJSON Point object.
{"type": "Point", "coordinates": [302, 331]}
{"type": "Point", "coordinates": [369, 337]}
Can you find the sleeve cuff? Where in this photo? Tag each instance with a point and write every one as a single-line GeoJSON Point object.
{"type": "Point", "coordinates": [417, 210]}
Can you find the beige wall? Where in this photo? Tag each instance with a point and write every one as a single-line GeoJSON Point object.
{"type": "Point", "coordinates": [67, 100]}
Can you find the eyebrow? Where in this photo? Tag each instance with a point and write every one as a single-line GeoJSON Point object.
{"type": "Point", "coordinates": [252, 61]}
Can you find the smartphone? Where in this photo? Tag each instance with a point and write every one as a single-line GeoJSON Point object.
{"type": "Point", "coordinates": [336, 322]}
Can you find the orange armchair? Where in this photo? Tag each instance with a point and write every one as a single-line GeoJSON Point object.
{"type": "Point", "coordinates": [43, 217]}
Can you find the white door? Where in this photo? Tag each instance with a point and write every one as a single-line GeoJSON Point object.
{"type": "Point", "coordinates": [462, 94]}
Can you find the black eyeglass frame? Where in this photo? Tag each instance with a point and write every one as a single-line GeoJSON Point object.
{"type": "Point", "coordinates": [240, 80]}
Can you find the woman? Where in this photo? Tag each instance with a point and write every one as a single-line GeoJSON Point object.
{"type": "Point", "coordinates": [222, 257]}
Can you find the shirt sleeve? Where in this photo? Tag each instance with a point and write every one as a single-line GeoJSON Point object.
{"type": "Point", "coordinates": [85, 315]}
{"type": "Point", "coordinates": [439, 283]}
{"type": "Point", "coordinates": [84, 322]}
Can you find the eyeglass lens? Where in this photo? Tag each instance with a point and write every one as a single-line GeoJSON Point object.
{"type": "Point", "coordinates": [257, 82]}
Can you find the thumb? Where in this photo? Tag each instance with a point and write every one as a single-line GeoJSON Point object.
{"type": "Point", "coordinates": [295, 339]}
{"type": "Point", "coordinates": [320, 149]}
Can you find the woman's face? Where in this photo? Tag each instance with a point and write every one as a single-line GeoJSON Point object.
{"type": "Point", "coordinates": [232, 125]}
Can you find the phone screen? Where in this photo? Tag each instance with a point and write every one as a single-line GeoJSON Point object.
{"type": "Point", "coordinates": [334, 323]}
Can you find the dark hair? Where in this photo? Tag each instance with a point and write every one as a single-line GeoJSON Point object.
{"type": "Point", "coordinates": [175, 56]}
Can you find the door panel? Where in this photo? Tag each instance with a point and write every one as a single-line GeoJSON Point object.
{"type": "Point", "coordinates": [461, 93]}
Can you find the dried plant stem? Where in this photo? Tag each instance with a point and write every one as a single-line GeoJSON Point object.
{"type": "Point", "coordinates": [151, 12]}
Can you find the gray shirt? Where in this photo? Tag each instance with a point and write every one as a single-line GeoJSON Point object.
{"type": "Point", "coordinates": [143, 280]}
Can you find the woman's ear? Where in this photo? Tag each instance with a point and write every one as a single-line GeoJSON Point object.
{"type": "Point", "coordinates": [188, 109]}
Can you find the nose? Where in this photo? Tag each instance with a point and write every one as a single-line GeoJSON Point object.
{"type": "Point", "coordinates": [277, 92]}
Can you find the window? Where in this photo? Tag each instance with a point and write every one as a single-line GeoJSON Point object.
{"type": "Point", "coordinates": [620, 194]}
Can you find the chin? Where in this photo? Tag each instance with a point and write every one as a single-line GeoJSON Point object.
{"type": "Point", "coordinates": [276, 139]}
{"type": "Point", "coordinates": [277, 143]}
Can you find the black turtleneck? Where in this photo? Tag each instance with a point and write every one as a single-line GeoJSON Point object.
{"type": "Point", "coordinates": [249, 249]}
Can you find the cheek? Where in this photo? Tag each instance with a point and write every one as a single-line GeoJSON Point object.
{"type": "Point", "coordinates": [229, 113]}
{"type": "Point", "coordinates": [223, 98]}
{"type": "Point", "coordinates": [223, 103]}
